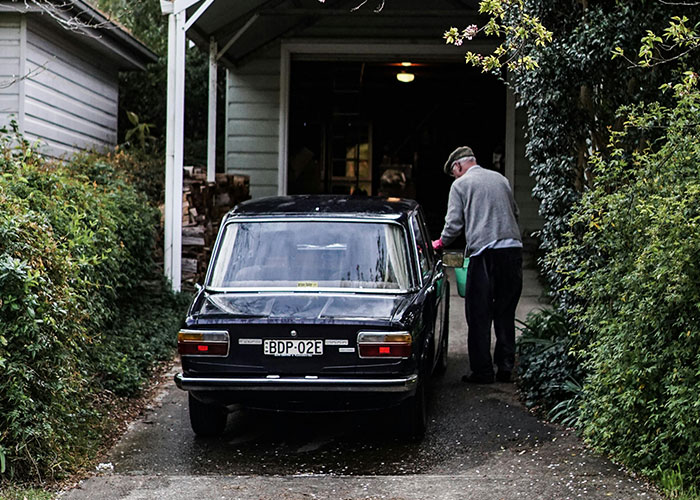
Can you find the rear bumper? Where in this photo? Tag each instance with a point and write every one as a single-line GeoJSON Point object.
{"type": "Point", "coordinates": [297, 384]}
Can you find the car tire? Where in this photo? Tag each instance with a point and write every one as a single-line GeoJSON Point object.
{"type": "Point", "coordinates": [207, 420]}
{"type": "Point", "coordinates": [441, 365]}
{"type": "Point", "coordinates": [414, 414]}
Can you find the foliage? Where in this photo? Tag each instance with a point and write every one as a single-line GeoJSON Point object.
{"type": "Point", "coordinates": [544, 360]}
{"type": "Point", "coordinates": [520, 31]}
{"type": "Point", "coordinates": [75, 245]}
{"type": "Point", "coordinates": [675, 485]}
{"type": "Point", "coordinates": [638, 289]}
{"type": "Point", "coordinates": [140, 169]}
{"type": "Point", "coordinates": [144, 93]}
{"type": "Point", "coordinates": [571, 90]}
{"type": "Point", "coordinates": [12, 493]}
{"type": "Point", "coordinates": [140, 134]}
{"type": "Point", "coordinates": [677, 41]}
{"type": "Point", "coordinates": [620, 228]}
{"type": "Point", "coordinates": [145, 334]}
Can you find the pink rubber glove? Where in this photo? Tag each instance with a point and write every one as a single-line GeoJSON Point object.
{"type": "Point", "coordinates": [438, 245]}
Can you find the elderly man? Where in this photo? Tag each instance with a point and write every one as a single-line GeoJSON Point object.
{"type": "Point", "coordinates": [481, 204]}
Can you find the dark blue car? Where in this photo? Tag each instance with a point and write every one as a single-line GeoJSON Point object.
{"type": "Point", "coordinates": [317, 303]}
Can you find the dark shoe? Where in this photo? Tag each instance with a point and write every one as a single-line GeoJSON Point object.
{"type": "Point", "coordinates": [477, 379]}
{"type": "Point", "coordinates": [503, 376]}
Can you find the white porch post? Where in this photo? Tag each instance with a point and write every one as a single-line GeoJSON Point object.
{"type": "Point", "coordinates": [285, 75]}
{"type": "Point", "coordinates": [175, 132]}
{"type": "Point", "coordinates": [211, 132]}
{"type": "Point", "coordinates": [174, 149]}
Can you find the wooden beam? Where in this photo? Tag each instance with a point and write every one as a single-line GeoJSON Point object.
{"type": "Point", "coordinates": [201, 10]}
{"type": "Point", "coordinates": [236, 24]}
{"type": "Point", "coordinates": [265, 43]}
{"type": "Point", "coordinates": [300, 25]}
{"type": "Point", "coordinates": [369, 13]}
{"type": "Point", "coordinates": [238, 34]}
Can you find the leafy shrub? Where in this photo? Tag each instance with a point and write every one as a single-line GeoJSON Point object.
{"type": "Point", "coordinates": [139, 169]}
{"type": "Point", "coordinates": [638, 290]}
{"type": "Point", "coordinates": [145, 333]}
{"type": "Point", "coordinates": [545, 362]}
{"type": "Point", "coordinates": [625, 273]}
{"type": "Point", "coordinates": [75, 245]}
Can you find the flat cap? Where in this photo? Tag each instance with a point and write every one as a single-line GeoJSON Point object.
{"type": "Point", "coordinates": [457, 154]}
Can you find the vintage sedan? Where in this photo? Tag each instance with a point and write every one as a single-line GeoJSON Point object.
{"type": "Point", "coordinates": [317, 303]}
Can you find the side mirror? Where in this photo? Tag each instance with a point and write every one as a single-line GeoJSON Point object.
{"type": "Point", "coordinates": [198, 287]}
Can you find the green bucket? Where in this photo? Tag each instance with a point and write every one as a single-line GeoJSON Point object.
{"type": "Point", "coordinates": [461, 273]}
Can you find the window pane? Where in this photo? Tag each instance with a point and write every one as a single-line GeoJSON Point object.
{"type": "Point", "coordinates": [423, 260]}
{"type": "Point", "coordinates": [311, 254]}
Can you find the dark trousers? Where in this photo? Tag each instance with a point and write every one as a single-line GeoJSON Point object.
{"type": "Point", "coordinates": [494, 284]}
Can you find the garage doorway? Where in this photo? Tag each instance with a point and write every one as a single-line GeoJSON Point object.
{"type": "Point", "coordinates": [354, 128]}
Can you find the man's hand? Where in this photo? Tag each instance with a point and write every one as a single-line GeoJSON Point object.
{"type": "Point", "coordinates": [438, 245]}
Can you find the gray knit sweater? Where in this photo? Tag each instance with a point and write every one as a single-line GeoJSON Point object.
{"type": "Point", "coordinates": [481, 204]}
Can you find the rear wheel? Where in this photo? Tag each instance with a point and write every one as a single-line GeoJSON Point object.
{"type": "Point", "coordinates": [414, 414]}
{"type": "Point", "coordinates": [207, 420]}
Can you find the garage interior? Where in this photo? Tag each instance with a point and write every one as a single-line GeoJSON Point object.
{"type": "Point", "coordinates": [354, 128]}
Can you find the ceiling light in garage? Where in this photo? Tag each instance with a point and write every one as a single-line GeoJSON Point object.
{"type": "Point", "coordinates": [405, 77]}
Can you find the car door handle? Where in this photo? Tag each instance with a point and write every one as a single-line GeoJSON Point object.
{"type": "Point", "coordinates": [437, 277]}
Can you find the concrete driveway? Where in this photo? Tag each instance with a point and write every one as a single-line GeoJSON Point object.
{"type": "Point", "coordinates": [481, 444]}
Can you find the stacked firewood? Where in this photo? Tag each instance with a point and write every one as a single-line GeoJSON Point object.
{"type": "Point", "coordinates": [203, 206]}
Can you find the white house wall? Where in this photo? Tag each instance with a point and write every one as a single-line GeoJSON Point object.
{"type": "Point", "coordinates": [71, 99]}
{"type": "Point", "coordinates": [10, 52]}
{"type": "Point", "coordinates": [252, 123]}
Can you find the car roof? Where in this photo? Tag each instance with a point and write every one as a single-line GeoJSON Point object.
{"type": "Point", "coordinates": [326, 205]}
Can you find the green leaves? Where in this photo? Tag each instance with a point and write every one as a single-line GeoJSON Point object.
{"type": "Point", "coordinates": [635, 239]}
{"type": "Point", "coordinates": [646, 50]}
{"type": "Point", "coordinates": [618, 192]}
{"type": "Point", "coordinates": [546, 363]}
{"type": "Point", "coordinates": [76, 241]}
{"type": "Point", "coordinates": [520, 30]}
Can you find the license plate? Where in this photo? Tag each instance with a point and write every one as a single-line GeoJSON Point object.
{"type": "Point", "coordinates": [293, 347]}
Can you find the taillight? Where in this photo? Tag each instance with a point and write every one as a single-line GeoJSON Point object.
{"type": "Point", "coordinates": [384, 345]}
{"type": "Point", "coordinates": [202, 343]}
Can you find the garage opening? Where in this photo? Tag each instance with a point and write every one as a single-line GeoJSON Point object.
{"type": "Point", "coordinates": [354, 128]}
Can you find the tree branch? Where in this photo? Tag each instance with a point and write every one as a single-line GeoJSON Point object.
{"type": "Point", "coordinates": [60, 12]}
{"type": "Point", "coordinates": [9, 83]}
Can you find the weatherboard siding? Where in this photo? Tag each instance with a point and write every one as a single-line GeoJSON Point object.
{"type": "Point", "coordinates": [10, 64]}
{"type": "Point", "coordinates": [71, 99]}
{"type": "Point", "coordinates": [252, 123]}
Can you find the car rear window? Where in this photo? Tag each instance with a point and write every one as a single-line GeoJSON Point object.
{"type": "Point", "coordinates": [311, 254]}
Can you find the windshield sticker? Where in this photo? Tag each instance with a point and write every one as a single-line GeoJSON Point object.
{"type": "Point", "coordinates": [307, 284]}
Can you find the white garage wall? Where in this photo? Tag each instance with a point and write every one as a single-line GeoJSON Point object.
{"type": "Point", "coordinates": [252, 123]}
{"type": "Point", "coordinates": [10, 54]}
{"type": "Point", "coordinates": [71, 98]}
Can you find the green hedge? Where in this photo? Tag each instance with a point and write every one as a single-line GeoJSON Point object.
{"type": "Point", "coordinates": [632, 261]}
{"type": "Point", "coordinates": [76, 242]}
